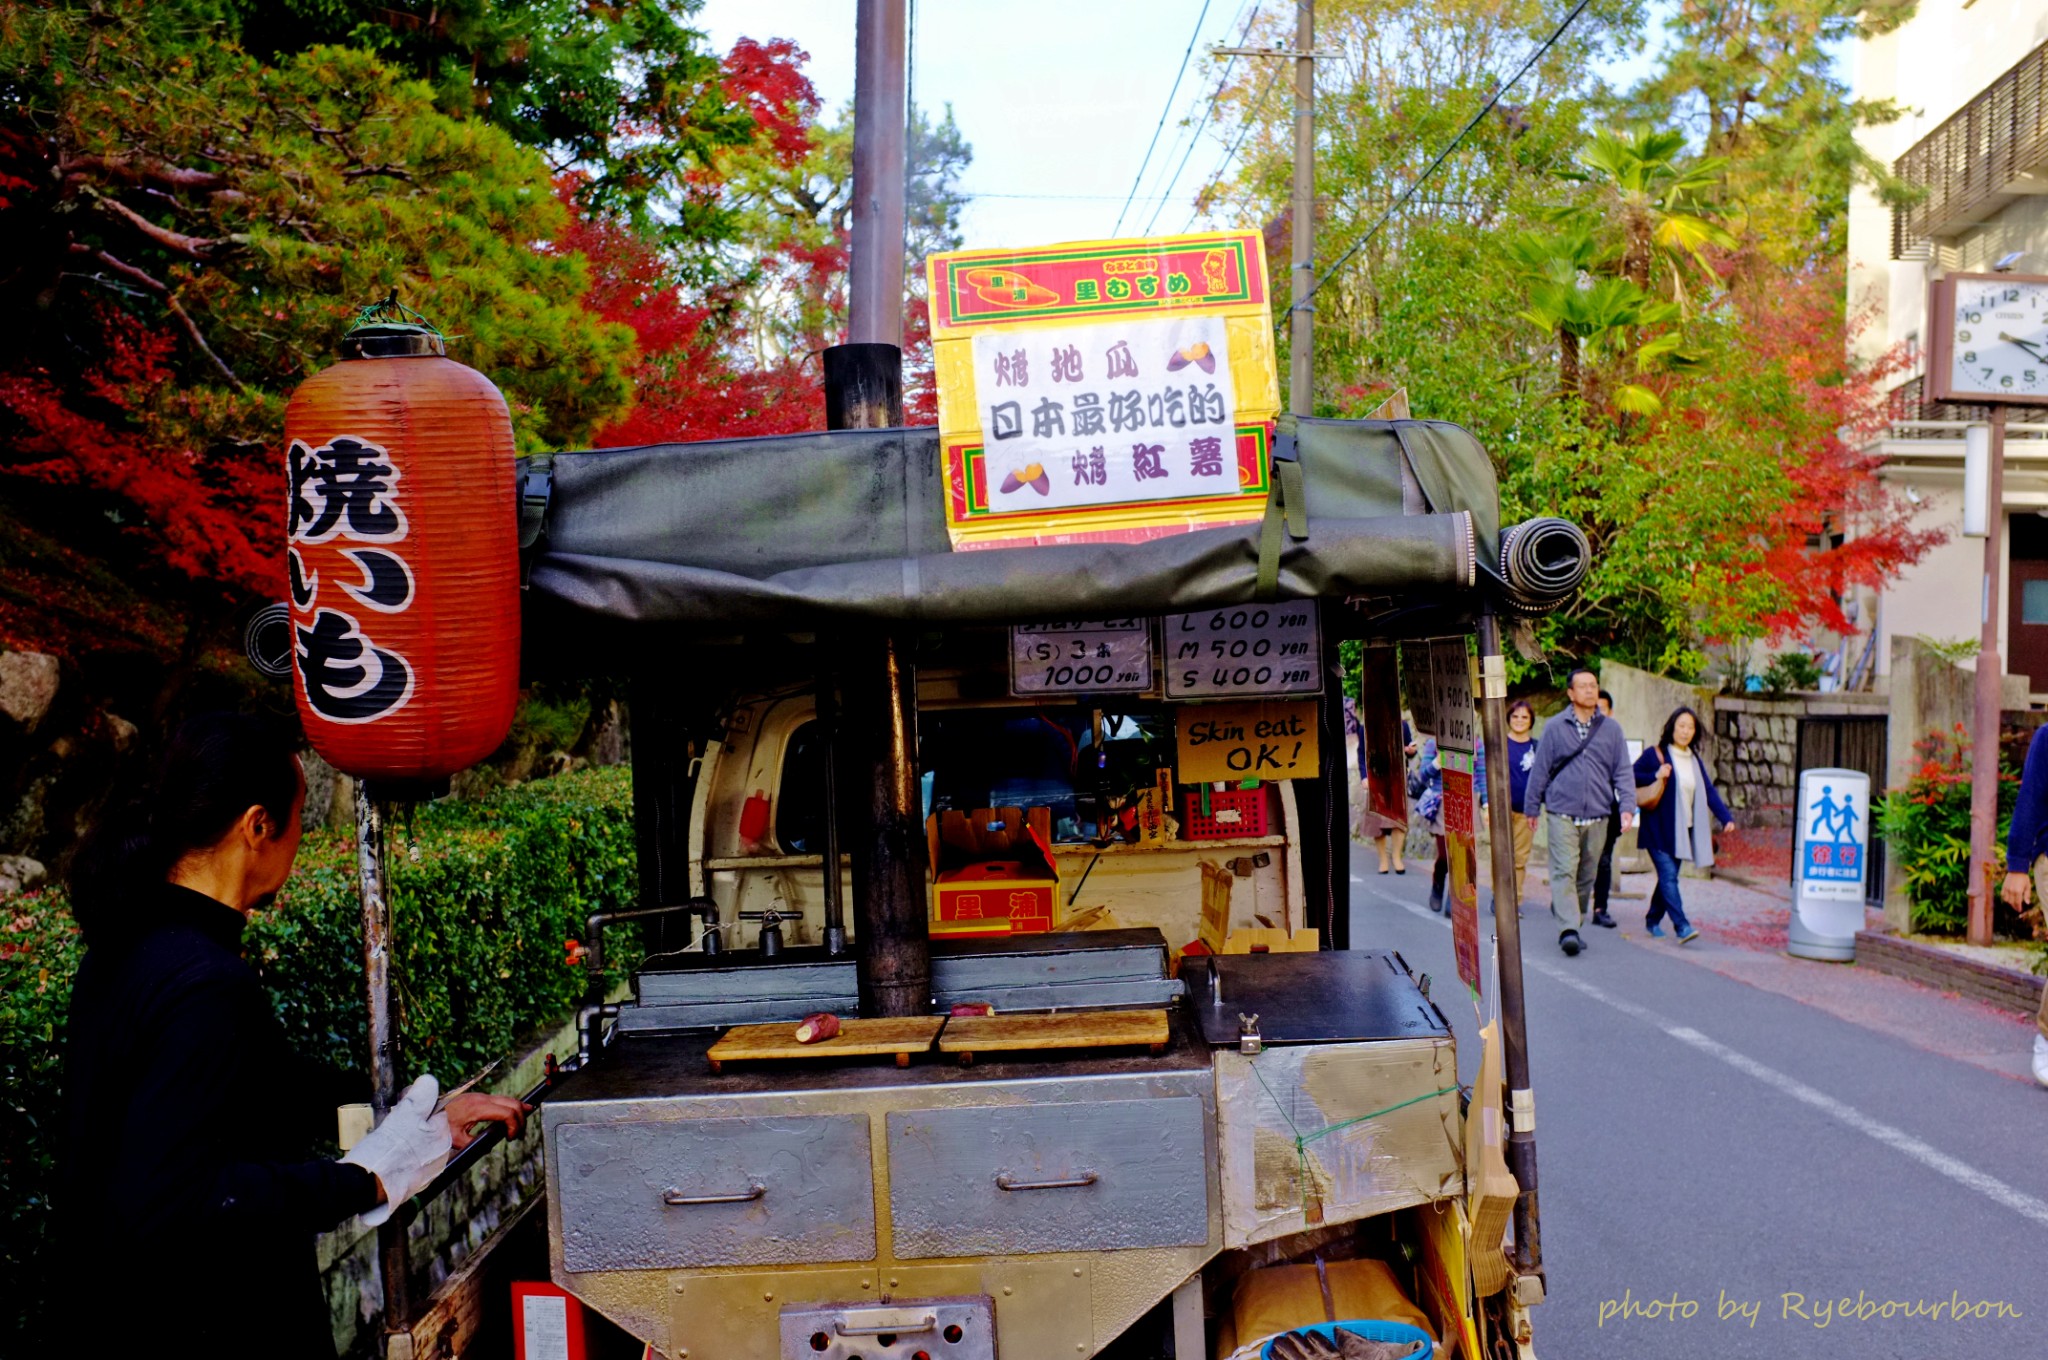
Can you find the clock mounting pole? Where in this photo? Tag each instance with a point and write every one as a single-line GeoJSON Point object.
{"type": "Point", "coordinates": [1990, 671]}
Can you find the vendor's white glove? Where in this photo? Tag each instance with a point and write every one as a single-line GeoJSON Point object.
{"type": "Point", "coordinates": [407, 1150]}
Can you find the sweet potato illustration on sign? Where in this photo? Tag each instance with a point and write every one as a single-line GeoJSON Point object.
{"type": "Point", "coordinates": [1198, 354]}
{"type": "Point", "coordinates": [1031, 475]}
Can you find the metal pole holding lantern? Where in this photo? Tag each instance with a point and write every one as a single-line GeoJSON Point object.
{"type": "Point", "coordinates": [1989, 348]}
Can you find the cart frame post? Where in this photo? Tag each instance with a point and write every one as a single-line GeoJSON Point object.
{"type": "Point", "coordinates": [393, 1259]}
{"type": "Point", "coordinates": [1507, 935]}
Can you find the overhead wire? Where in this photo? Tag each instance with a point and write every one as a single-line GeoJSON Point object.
{"type": "Point", "coordinates": [1215, 98]}
{"type": "Point", "coordinates": [1164, 113]}
{"type": "Point", "coordinates": [1243, 131]}
{"type": "Point", "coordinates": [1445, 154]}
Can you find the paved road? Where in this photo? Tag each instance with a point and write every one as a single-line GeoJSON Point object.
{"type": "Point", "coordinates": [1718, 1146]}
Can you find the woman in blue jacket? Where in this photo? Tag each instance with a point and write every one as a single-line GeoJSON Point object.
{"type": "Point", "coordinates": [1680, 827]}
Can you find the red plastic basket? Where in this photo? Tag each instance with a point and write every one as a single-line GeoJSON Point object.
{"type": "Point", "coordinates": [1234, 812]}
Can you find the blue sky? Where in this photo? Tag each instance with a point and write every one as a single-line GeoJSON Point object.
{"type": "Point", "coordinates": [1058, 98]}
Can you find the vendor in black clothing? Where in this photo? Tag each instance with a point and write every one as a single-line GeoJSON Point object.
{"type": "Point", "coordinates": [187, 1188]}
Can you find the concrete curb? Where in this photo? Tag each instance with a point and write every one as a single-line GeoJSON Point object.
{"type": "Point", "coordinates": [2008, 989]}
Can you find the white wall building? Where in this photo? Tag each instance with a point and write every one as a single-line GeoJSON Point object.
{"type": "Point", "coordinates": [1972, 76]}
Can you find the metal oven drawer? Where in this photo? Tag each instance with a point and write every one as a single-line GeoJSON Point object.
{"type": "Point", "coordinates": [1079, 1176]}
{"type": "Point", "coordinates": [715, 1192]}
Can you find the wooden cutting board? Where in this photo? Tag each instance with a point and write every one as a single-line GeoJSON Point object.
{"type": "Point", "coordinates": [967, 1035]}
{"type": "Point", "coordinates": [856, 1039]}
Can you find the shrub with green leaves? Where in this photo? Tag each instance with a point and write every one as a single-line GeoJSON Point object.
{"type": "Point", "coordinates": [1926, 828]}
{"type": "Point", "coordinates": [483, 897]}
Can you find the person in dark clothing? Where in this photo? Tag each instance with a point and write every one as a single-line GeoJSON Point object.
{"type": "Point", "coordinates": [1603, 877]}
{"type": "Point", "coordinates": [2026, 864]}
{"type": "Point", "coordinates": [189, 1123]}
{"type": "Point", "coordinates": [1679, 826]}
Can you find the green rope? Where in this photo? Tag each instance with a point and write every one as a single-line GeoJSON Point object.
{"type": "Point", "coordinates": [390, 311]}
{"type": "Point", "coordinates": [1302, 1140]}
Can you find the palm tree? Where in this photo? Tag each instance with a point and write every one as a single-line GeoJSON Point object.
{"type": "Point", "coordinates": [1654, 204]}
{"type": "Point", "coordinates": [1595, 318]}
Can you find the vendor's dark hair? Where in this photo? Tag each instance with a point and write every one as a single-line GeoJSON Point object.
{"type": "Point", "coordinates": [218, 766]}
{"type": "Point", "coordinates": [1699, 729]}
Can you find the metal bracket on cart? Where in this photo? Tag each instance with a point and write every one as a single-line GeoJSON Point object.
{"type": "Point", "coordinates": [961, 1328]}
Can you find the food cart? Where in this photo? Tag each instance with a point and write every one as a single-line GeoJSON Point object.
{"type": "Point", "coordinates": [1112, 1057]}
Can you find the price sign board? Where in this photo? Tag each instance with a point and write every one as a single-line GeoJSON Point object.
{"type": "Point", "coordinates": [1243, 652]}
{"type": "Point", "coordinates": [1418, 687]}
{"type": "Point", "coordinates": [1450, 674]}
{"type": "Point", "coordinates": [1113, 656]}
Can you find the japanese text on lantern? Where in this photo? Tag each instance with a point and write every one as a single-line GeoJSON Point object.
{"type": "Point", "coordinates": [1109, 390]}
{"type": "Point", "coordinates": [345, 519]}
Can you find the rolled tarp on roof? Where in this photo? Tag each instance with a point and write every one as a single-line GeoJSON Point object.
{"type": "Point", "coordinates": [797, 531]}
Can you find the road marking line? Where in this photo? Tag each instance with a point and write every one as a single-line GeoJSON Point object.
{"type": "Point", "coordinates": [1897, 1139]}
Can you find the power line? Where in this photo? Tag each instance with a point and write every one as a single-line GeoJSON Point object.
{"type": "Point", "coordinates": [1207, 114]}
{"type": "Point", "coordinates": [1443, 156]}
{"type": "Point", "coordinates": [1243, 131]}
{"type": "Point", "coordinates": [1193, 38]}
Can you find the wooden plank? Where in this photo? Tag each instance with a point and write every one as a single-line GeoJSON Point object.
{"type": "Point", "coordinates": [971, 1034]}
{"type": "Point", "coordinates": [856, 1039]}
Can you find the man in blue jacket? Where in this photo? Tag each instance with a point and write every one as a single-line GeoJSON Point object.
{"type": "Point", "coordinates": [1582, 773]}
{"type": "Point", "coordinates": [2026, 861]}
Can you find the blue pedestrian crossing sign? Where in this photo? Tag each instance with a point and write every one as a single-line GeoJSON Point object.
{"type": "Point", "coordinates": [1833, 834]}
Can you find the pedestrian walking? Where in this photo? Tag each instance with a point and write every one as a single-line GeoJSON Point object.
{"type": "Point", "coordinates": [1680, 808]}
{"type": "Point", "coordinates": [1603, 878]}
{"type": "Point", "coordinates": [1521, 759]}
{"type": "Point", "coordinates": [1391, 839]}
{"type": "Point", "coordinates": [1582, 772]}
{"type": "Point", "coordinates": [1426, 787]}
{"type": "Point", "coordinates": [2026, 863]}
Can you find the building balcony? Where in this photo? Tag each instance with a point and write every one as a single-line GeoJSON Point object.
{"type": "Point", "coordinates": [1993, 151]}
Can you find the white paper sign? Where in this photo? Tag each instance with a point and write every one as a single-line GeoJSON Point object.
{"type": "Point", "coordinates": [1101, 415]}
{"type": "Point", "coordinates": [1244, 651]}
{"type": "Point", "coordinates": [1111, 657]}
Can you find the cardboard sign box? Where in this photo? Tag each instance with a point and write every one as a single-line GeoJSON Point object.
{"type": "Point", "coordinates": [995, 898]}
{"type": "Point", "coordinates": [993, 871]}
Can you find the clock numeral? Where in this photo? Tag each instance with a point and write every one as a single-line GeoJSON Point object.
{"type": "Point", "coordinates": [1962, 337]}
{"type": "Point", "coordinates": [1970, 356]}
{"type": "Point", "coordinates": [2006, 381]}
{"type": "Point", "coordinates": [1973, 318]}
{"type": "Point", "coordinates": [2012, 295]}
{"type": "Point", "coordinates": [1989, 374]}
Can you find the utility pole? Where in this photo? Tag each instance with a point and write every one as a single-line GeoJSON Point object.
{"type": "Point", "coordinates": [1302, 255]}
{"type": "Point", "coordinates": [874, 285]}
{"type": "Point", "coordinates": [1301, 393]}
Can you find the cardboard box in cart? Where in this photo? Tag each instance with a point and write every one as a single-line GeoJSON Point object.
{"type": "Point", "coordinates": [993, 872]}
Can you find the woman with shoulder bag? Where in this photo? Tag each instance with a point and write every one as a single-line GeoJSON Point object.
{"type": "Point", "coordinates": [1680, 808]}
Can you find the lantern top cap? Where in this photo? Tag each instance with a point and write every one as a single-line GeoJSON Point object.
{"type": "Point", "coordinates": [391, 330]}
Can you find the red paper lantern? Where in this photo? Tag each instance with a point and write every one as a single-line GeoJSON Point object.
{"type": "Point", "coordinates": [403, 556]}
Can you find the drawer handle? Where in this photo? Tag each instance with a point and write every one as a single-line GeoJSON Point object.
{"type": "Point", "coordinates": [1005, 1181]}
{"type": "Point", "coordinates": [928, 1322]}
{"type": "Point", "coordinates": [753, 1192]}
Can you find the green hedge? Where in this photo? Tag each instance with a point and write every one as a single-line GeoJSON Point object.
{"type": "Point", "coordinates": [483, 897]}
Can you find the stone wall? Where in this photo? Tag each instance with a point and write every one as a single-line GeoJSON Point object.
{"type": "Point", "coordinates": [1756, 742]}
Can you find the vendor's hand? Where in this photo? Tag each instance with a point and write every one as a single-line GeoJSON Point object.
{"type": "Point", "coordinates": [474, 1107]}
{"type": "Point", "coordinates": [2015, 891]}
